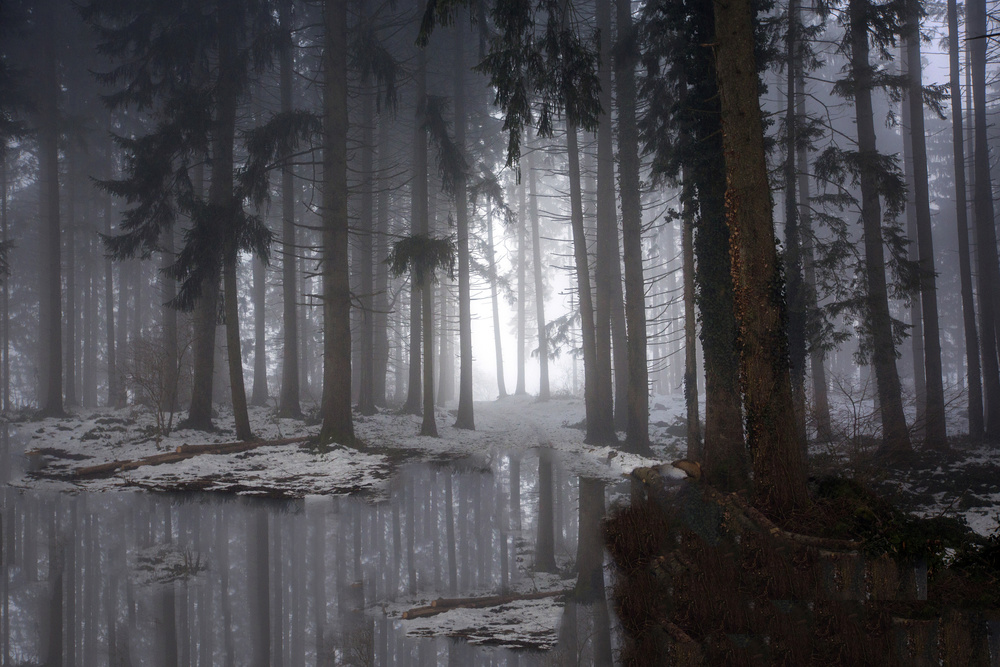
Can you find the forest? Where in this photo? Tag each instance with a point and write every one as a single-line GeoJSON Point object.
{"type": "Point", "coordinates": [486, 332]}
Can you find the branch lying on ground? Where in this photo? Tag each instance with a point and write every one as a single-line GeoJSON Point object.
{"type": "Point", "coordinates": [442, 605]}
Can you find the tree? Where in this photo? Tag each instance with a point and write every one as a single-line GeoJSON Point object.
{"type": "Point", "coordinates": [422, 256]}
{"type": "Point", "coordinates": [338, 425]}
{"type": "Point", "coordinates": [773, 440]}
{"type": "Point", "coordinates": [976, 427]}
{"type": "Point", "coordinates": [637, 426]}
{"type": "Point", "coordinates": [935, 435]}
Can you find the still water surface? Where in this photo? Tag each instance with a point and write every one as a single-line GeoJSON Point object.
{"type": "Point", "coordinates": [159, 579]}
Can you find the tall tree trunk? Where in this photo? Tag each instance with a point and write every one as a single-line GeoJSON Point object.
{"type": "Point", "coordinates": [598, 399]}
{"type": "Point", "coordinates": [637, 427]}
{"type": "Point", "coordinates": [336, 408]}
{"type": "Point", "coordinates": [366, 372]}
{"type": "Point", "coordinates": [4, 305]}
{"type": "Point", "coordinates": [221, 195]}
{"type": "Point", "coordinates": [817, 369]}
{"type": "Point", "coordinates": [260, 394]}
{"type": "Point", "coordinates": [381, 319]}
{"type": "Point", "coordinates": [428, 426]}
{"type": "Point", "coordinates": [70, 309]}
{"type": "Point", "coordinates": [204, 323]}
{"type": "Point", "coordinates": [935, 433]}
{"type": "Point", "coordinates": [610, 320]}
{"type": "Point", "coordinates": [913, 255]}
{"type": "Point", "coordinates": [962, 223]}
{"type": "Point", "coordinates": [795, 289]}
{"type": "Point", "coordinates": [116, 396]}
{"type": "Point", "coordinates": [895, 437]}
{"type": "Point", "coordinates": [773, 440]}
{"type": "Point", "coordinates": [168, 290]}
{"type": "Point", "coordinates": [288, 401]}
{"type": "Point", "coordinates": [989, 268]}
{"type": "Point", "coordinates": [419, 225]}
{"type": "Point", "coordinates": [497, 346]}
{"type": "Point", "coordinates": [695, 449]}
{"type": "Point", "coordinates": [536, 264]}
{"type": "Point", "coordinates": [522, 296]}
{"type": "Point", "coordinates": [465, 417]}
{"type": "Point", "coordinates": [50, 395]}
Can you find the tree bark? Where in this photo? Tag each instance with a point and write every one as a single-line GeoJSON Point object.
{"type": "Point", "coordinates": [637, 427]}
{"type": "Point", "coordinates": [522, 292]}
{"type": "Point", "coordinates": [366, 372]}
{"type": "Point", "coordinates": [935, 433]}
{"type": "Point", "coordinates": [695, 448]}
{"type": "Point", "coordinates": [497, 345]}
{"type": "Point", "coordinates": [419, 225]}
{"type": "Point", "coordinates": [962, 222]}
{"type": "Point", "coordinates": [775, 449]}
{"type": "Point", "coordinates": [260, 395]}
{"type": "Point", "coordinates": [338, 426]}
{"type": "Point", "coordinates": [895, 437]}
{"type": "Point", "coordinates": [288, 401]}
{"type": "Point", "coordinates": [50, 395]}
{"type": "Point", "coordinates": [986, 240]}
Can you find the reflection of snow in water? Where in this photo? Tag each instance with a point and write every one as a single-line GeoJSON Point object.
{"type": "Point", "coordinates": [206, 576]}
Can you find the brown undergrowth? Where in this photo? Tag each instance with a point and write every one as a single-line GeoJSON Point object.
{"type": "Point", "coordinates": [702, 578]}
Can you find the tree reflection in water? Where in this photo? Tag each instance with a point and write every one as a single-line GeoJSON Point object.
{"type": "Point", "coordinates": [141, 579]}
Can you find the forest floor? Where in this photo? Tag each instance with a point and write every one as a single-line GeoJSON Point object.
{"type": "Point", "coordinates": [964, 481]}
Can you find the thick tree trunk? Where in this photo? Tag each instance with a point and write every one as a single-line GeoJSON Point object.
{"type": "Point", "coordinates": [338, 426]}
{"type": "Point", "coordinates": [695, 448]}
{"type": "Point", "coordinates": [935, 433]}
{"type": "Point", "coordinates": [288, 401]}
{"type": "Point", "coordinates": [205, 320]}
{"type": "Point", "coordinates": [598, 399]}
{"type": "Point", "coordinates": [895, 437]}
{"type": "Point", "coordinates": [773, 440]}
{"type": "Point", "coordinates": [637, 427]}
{"type": "Point", "coordinates": [962, 223]}
{"type": "Point", "coordinates": [116, 396]}
{"type": "Point", "coordinates": [168, 290]}
{"type": "Point", "coordinates": [232, 314]}
{"type": "Point", "coordinates": [536, 264]}
{"type": "Point", "coordinates": [4, 308]}
{"type": "Point", "coordinates": [428, 426]}
{"type": "Point", "coordinates": [465, 417]}
{"type": "Point", "coordinates": [70, 308]}
{"type": "Point", "coordinates": [381, 315]}
{"type": "Point", "coordinates": [50, 394]}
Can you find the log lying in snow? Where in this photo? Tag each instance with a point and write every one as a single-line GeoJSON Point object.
{"type": "Point", "coordinates": [181, 453]}
{"type": "Point", "coordinates": [442, 605]}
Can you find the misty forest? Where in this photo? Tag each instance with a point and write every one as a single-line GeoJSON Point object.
{"type": "Point", "coordinates": [495, 332]}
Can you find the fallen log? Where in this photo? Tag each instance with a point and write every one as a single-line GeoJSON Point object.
{"type": "Point", "coordinates": [442, 605]}
{"type": "Point", "coordinates": [181, 453]}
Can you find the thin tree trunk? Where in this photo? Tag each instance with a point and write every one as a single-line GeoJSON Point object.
{"type": "Point", "coordinates": [895, 437]}
{"type": "Point", "coordinates": [428, 426]}
{"type": "Point", "coordinates": [536, 250]}
{"type": "Point", "coordinates": [522, 297]}
{"type": "Point", "coordinates": [260, 395]}
{"type": "Point", "coordinates": [50, 396]}
{"type": "Point", "coordinates": [935, 432]}
{"type": "Point", "coordinates": [772, 438]}
{"type": "Point", "coordinates": [989, 271]}
{"type": "Point", "coordinates": [5, 307]}
{"type": "Point", "coordinates": [288, 401]}
{"type": "Point", "coordinates": [70, 309]}
{"type": "Point", "coordinates": [637, 427]}
{"type": "Point", "coordinates": [419, 225]}
{"type": "Point", "coordinates": [598, 399]}
{"type": "Point", "coordinates": [168, 288]}
{"type": "Point", "coordinates": [336, 408]}
{"type": "Point", "coordinates": [465, 417]}
{"type": "Point", "coordinates": [115, 393]}
{"type": "Point", "coordinates": [497, 345]}
{"type": "Point", "coordinates": [366, 372]}
{"type": "Point", "coordinates": [695, 450]}
{"type": "Point", "coordinates": [381, 315]}
{"type": "Point", "coordinates": [962, 223]}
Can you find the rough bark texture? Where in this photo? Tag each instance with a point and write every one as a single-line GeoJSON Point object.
{"type": "Point", "coordinates": [695, 449]}
{"type": "Point", "coordinates": [962, 222]}
{"type": "Point", "coordinates": [366, 342]}
{"type": "Point", "coordinates": [895, 437]}
{"type": "Point", "coordinates": [776, 453]}
{"type": "Point", "coordinates": [338, 426]}
{"type": "Point", "coordinates": [522, 295]}
{"type": "Point", "coordinates": [260, 393]}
